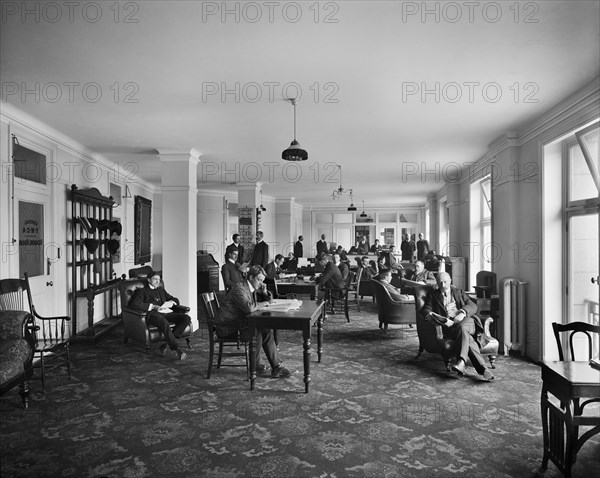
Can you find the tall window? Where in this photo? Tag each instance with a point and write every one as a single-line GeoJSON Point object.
{"type": "Point", "coordinates": [486, 250]}
{"type": "Point", "coordinates": [582, 203]}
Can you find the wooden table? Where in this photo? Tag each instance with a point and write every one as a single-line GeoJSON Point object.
{"type": "Point", "coordinates": [568, 382]}
{"type": "Point", "coordinates": [301, 319]}
{"type": "Point", "coordinates": [296, 286]}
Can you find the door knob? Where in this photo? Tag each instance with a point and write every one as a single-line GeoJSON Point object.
{"type": "Point", "coordinates": [596, 280]}
{"type": "Point", "coordinates": [49, 284]}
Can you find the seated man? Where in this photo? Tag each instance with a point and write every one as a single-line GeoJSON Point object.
{"type": "Point", "coordinates": [231, 317]}
{"type": "Point", "coordinates": [231, 270]}
{"type": "Point", "coordinates": [376, 247]}
{"type": "Point", "coordinates": [354, 249]}
{"type": "Point", "coordinates": [152, 298]}
{"type": "Point", "coordinates": [273, 269]}
{"type": "Point", "coordinates": [420, 274]}
{"type": "Point", "coordinates": [387, 259]}
{"type": "Point", "coordinates": [385, 277]}
{"type": "Point", "coordinates": [334, 276]}
{"type": "Point", "coordinates": [368, 271]}
{"type": "Point", "coordinates": [453, 308]}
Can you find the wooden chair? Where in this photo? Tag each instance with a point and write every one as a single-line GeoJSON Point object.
{"type": "Point", "coordinates": [576, 328]}
{"type": "Point", "coordinates": [51, 334]}
{"type": "Point", "coordinates": [337, 299]}
{"type": "Point", "coordinates": [140, 272]}
{"type": "Point", "coordinates": [353, 289]}
{"type": "Point", "coordinates": [211, 306]}
{"type": "Point", "coordinates": [134, 320]}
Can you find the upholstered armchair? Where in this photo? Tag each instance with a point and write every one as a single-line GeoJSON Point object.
{"type": "Point", "coordinates": [431, 336]}
{"type": "Point", "coordinates": [134, 320]}
{"type": "Point", "coordinates": [16, 351]}
{"type": "Point", "coordinates": [391, 311]}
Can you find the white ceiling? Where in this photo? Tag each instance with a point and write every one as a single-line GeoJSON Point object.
{"type": "Point", "coordinates": [363, 57]}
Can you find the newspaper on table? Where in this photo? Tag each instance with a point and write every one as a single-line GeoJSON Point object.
{"type": "Point", "coordinates": [283, 305]}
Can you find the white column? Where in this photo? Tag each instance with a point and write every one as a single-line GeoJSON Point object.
{"type": "Point", "coordinates": [179, 198]}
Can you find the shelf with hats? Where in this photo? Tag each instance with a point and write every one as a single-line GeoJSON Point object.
{"type": "Point", "coordinates": [92, 243]}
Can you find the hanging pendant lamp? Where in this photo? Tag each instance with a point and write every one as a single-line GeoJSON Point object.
{"type": "Point", "coordinates": [295, 151]}
{"type": "Point", "coordinates": [363, 214]}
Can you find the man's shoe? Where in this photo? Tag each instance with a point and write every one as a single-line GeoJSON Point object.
{"type": "Point", "coordinates": [163, 349]}
{"type": "Point", "coordinates": [261, 368]}
{"type": "Point", "coordinates": [488, 375]}
{"type": "Point", "coordinates": [182, 355]}
{"type": "Point", "coordinates": [280, 372]}
{"type": "Point", "coordinates": [459, 367]}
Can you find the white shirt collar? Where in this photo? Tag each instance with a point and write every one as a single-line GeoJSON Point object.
{"type": "Point", "coordinates": [252, 289]}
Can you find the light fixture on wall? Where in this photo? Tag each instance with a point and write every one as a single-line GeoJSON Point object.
{"type": "Point", "coordinates": [127, 194]}
{"type": "Point", "coordinates": [294, 152]}
{"type": "Point", "coordinates": [363, 214]}
{"type": "Point", "coordinates": [340, 191]}
{"type": "Point", "coordinates": [261, 207]}
{"type": "Point", "coordinates": [352, 207]}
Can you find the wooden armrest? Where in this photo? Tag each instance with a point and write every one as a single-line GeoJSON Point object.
{"type": "Point", "coordinates": [135, 312]}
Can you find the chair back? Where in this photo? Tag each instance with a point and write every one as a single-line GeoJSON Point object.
{"type": "Point", "coordinates": [356, 283]}
{"type": "Point", "coordinates": [142, 272]}
{"type": "Point", "coordinates": [12, 294]}
{"type": "Point", "coordinates": [485, 284]}
{"type": "Point", "coordinates": [591, 331]}
{"type": "Point", "coordinates": [128, 287]}
{"type": "Point", "coordinates": [211, 305]}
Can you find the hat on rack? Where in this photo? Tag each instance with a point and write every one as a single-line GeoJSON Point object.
{"type": "Point", "coordinates": [113, 246]}
{"type": "Point", "coordinates": [115, 227]}
{"type": "Point", "coordinates": [103, 225]}
{"type": "Point", "coordinates": [93, 222]}
{"type": "Point", "coordinates": [97, 266]}
{"type": "Point", "coordinates": [85, 223]}
{"type": "Point", "coordinates": [91, 245]}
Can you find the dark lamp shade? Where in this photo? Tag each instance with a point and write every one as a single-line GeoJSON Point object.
{"type": "Point", "coordinates": [294, 153]}
{"type": "Point", "coordinates": [352, 207]}
{"type": "Point", "coordinates": [363, 214]}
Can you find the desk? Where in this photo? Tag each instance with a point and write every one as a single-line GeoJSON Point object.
{"type": "Point", "coordinates": [301, 319]}
{"type": "Point", "coordinates": [295, 286]}
{"type": "Point", "coordinates": [569, 382]}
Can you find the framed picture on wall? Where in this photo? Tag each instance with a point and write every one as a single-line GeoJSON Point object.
{"type": "Point", "coordinates": [143, 230]}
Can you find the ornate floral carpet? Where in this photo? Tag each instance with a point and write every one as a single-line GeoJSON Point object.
{"type": "Point", "coordinates": [372, 411]}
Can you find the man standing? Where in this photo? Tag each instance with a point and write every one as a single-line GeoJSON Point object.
{"type": "Point", "coordinates": [260, 256]}
{"type": "Point", "coordinates": [155, 300]}
{"type": "Point", "coordinates": [454, 310]}
{"type": "Point", "coordinates": [298, 248]}
{"type": "Point", "coordinates": [322, 246]}
{"type": "Point", "coordinates": [422, 247]}
{"type": "Point", "coordinates": [231, 271]}
{"type": "Point", "coordinates": [363, 246]}
{"type": "Point", "coordinates": [232, 316]}
{"type": "Point", "coordinates": [237, 246]}
{"type": "Point", "coordinates": [408, 248]}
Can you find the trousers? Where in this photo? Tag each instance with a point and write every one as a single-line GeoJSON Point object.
{"type": "Point", "coordinates": [163, 323]}
{"type": "Point", "coordinates": [463, 334]}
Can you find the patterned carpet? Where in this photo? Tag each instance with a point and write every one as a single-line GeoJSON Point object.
{"type": "Point", "coordinates": [372, 411]}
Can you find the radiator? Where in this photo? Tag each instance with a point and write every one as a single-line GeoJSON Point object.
{"type": "Point", "coordinates": [512, 315]}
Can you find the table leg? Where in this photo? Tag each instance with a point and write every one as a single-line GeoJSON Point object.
{"type": "Point", "coordinates": [252, 340]}
{"type": "Point", "coordinates": [544, 406]}
{"type": "Point", "coordinates": [306, 336]}
{"type": "Point", "coordinates": [320, 335]}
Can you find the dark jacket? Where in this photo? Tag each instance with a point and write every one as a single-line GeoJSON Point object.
{"type": "Point", "coordinates": [234, 309]}
{"type": "Point", "coordinates": [298, 249]}
{"type": "Point", "coordinates": [272, 270]}
{"type": "Point", "coordinates": [231, 274]}
{"type": "Point", "coordinates": [434, 302]}
{"type": "Point", "coordinates": [332, 277]}
{"type": "Point", "coordinates": [408, 249]}
{"type": "Point", "coordinates": [144, 296]}
{"type": "Point", "coordinates": [260, 256]}
{"type": "Point", "coordinates": [239, 248]}
{"type": "Point", "coordinates": [322, 247]}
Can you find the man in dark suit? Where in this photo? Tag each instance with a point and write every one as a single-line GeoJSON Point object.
{"type": "Point", "coordinates": [232, 316]}
{"type": "Point", "coordinates": [385, 277]}
{"type": "Point", "coordinates": [453, 309]}
{"type": "Point", "coordinates": [387, 259]}
{"type": "Point", "coordinates": [368, 270]}
{"type": "Point", "coordinates": [375, 248]}
{"type": "Point", "coordinates": [363, 246]}
{"type": "Point", "coordinates": [260, 256]}
{"type": "Point", "coordinates": [238, 247]}
{"type": "Point", "coordinates": [420, 274]}
{"type": "Point", "coordinates": [407, 248]}
{"type": "Point", "coordinates": [322, 246]}
{"type": "Point", "coordinates": [422, 247]}
{"type": "Point", "coordinates": [334, 276]}
{"type": "Point", "coordinates": [274, 268]}
{"type": "Point", "coordinates": [299, 248]}
{"type": "Point", "coordinates": [151, 298]}
{"type": "Point", "coordinates": [231, 271]}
